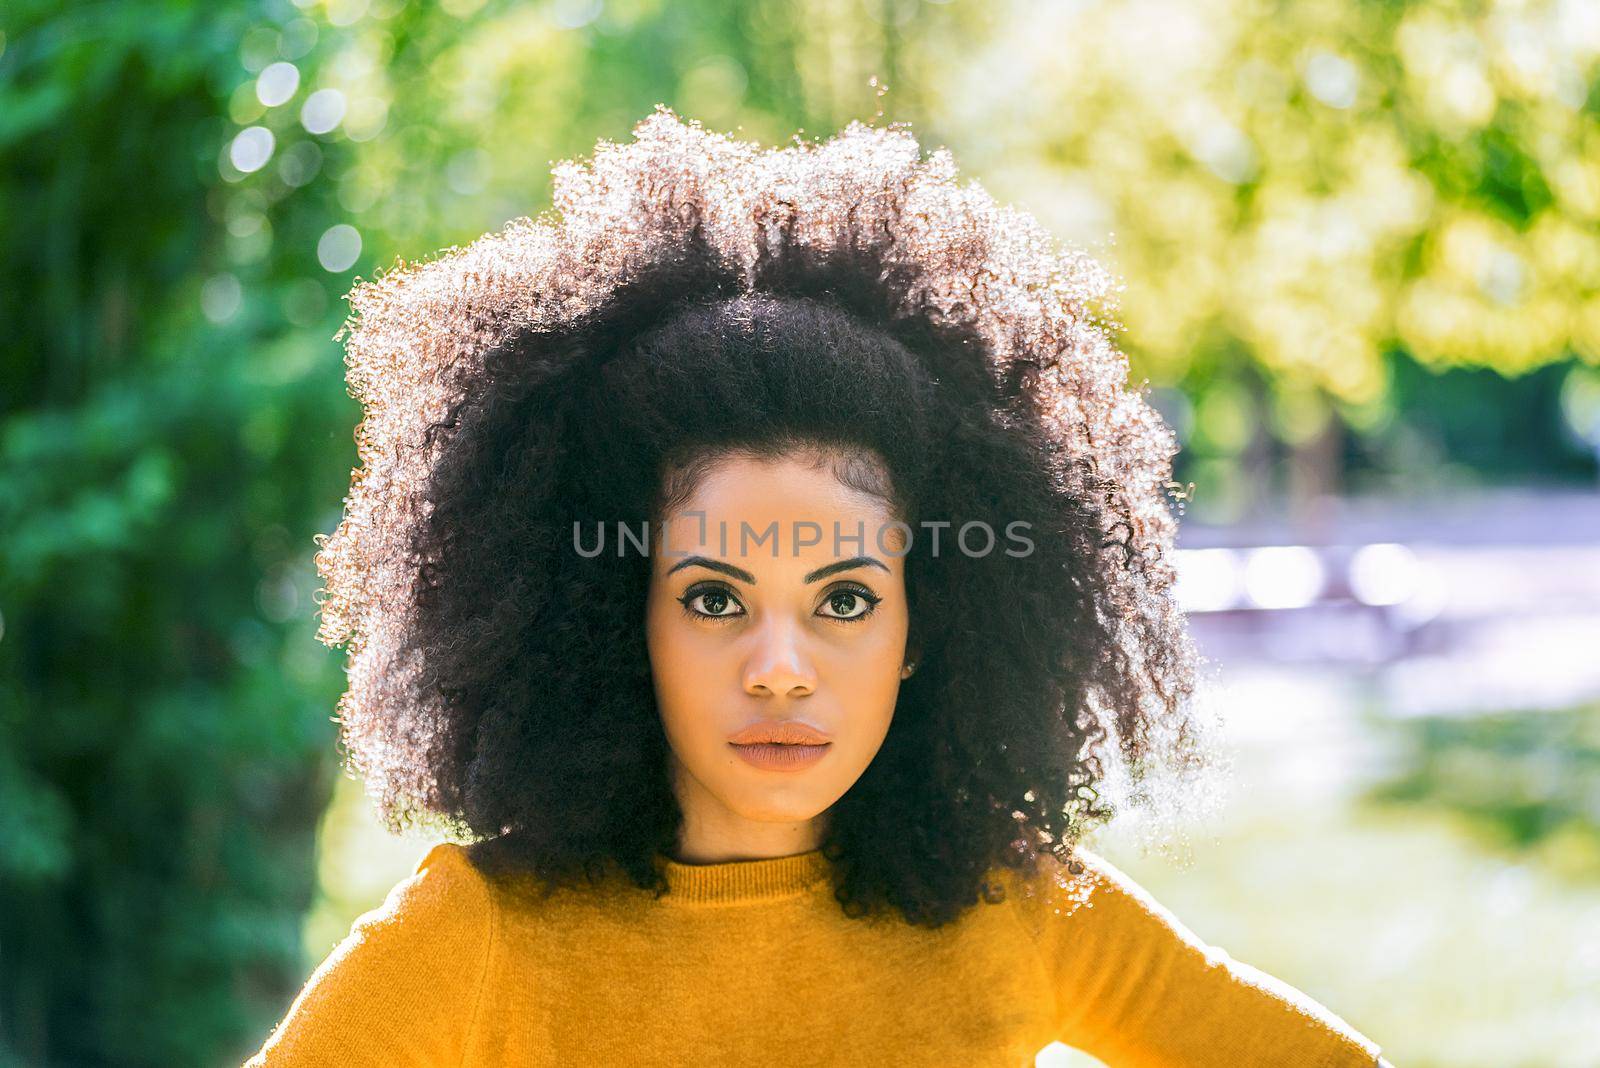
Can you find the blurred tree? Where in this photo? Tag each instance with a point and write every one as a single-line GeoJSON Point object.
{"type": "Point", "coordinates": [175, 431]}
{"type": "Point", "coordinates": [1306, 195]}
{"type": "Point", "coordinates": [459, 109]}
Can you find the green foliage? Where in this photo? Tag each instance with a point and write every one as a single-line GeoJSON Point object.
{"type": "Point", "coordinates": [165, 740]}
{"type": "Point", "coordinates": [1526, 780]}
{"type": "Point", "coordinates": [1307, 200]}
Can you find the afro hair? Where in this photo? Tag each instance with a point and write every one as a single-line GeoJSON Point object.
{"type": "Point", "coordinates": [558, 369]}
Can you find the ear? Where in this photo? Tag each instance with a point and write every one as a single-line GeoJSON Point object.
{"type": "Point", "coordinates": [912, 657]}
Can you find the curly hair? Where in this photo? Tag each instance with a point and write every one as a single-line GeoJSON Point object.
{"type": "Point", "coordinates": [692, 294]}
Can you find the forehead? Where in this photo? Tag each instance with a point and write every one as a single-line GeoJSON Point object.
{"type": "Point", "coordinates": [769, 514]}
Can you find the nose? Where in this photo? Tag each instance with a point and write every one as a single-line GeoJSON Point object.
{"type": "Point", "coordinates": [777, 665]}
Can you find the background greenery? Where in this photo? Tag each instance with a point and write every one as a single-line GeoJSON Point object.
{"type": "Point", "coordinates": [1360, 250]}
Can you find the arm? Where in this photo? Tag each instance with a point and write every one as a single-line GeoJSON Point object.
{"type": "Point", "coordinates": [1138, 989]}
{"type": "Point", "coordinates": [403, 987]}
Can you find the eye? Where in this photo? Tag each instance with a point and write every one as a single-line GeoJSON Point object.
{"type": "Point", "coordinates": [716, 600]}
{"type": "Point", "coordinates": [851, 603]}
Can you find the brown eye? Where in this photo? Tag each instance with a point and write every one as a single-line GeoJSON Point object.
{"type": "Point", "coordinates": [715, 602]}
{"type": "Point", "coordinates": [849, 604]}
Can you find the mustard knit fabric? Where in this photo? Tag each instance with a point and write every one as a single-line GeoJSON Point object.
{"type": "Point", "coordinates": [752, 963]}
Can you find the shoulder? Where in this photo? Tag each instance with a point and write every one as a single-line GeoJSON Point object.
{"type": "Point", "coordinates": [1136, 985]}
{"type": "Point", "coordinates": [1089, 912]}
{"type": "Point", "coordinates": [445, 902]}
{"type": "Point", "coordinates": [404, 986]}
{"type": "Point", "coordinates": [1087, 915]}
{"type": "Point", "coordinates": [1060, 893]}
{"type": "Point", "coordinates": [446, 870]}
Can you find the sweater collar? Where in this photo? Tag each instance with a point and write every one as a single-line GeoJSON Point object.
{"type": "Point", "coordinates": [736, 881]}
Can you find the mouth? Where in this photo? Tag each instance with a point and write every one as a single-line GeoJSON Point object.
{"type": "Point", "coordinates": [780, 756]}
{"type": "Point", "coordinates": [779, 745]}
{"type": "Point", "coordinates": [787, 732]}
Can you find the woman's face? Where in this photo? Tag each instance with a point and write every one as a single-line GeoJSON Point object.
{"type": "Point", "coordinates": [759, 630]}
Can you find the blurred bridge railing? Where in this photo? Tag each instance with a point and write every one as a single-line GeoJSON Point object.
{"type": "Point", "coordinates": [1485, 603]}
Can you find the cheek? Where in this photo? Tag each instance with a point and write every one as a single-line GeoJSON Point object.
{"type": "Point", "coordinates": [868, 689]}
{"type": "Point", "coordinates": [866, 682]}
{"type": "Point", "coordinates": [678, 662]}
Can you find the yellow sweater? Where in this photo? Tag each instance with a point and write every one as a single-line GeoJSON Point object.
{"type": "Point", "coordinates": [753, 963]}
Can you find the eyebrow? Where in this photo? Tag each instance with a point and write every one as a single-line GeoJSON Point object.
{"type": "Point", "coordinates": [811, 576]}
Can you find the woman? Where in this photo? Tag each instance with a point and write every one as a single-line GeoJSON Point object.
{"type": "Point", "coordinates": [759, 568]}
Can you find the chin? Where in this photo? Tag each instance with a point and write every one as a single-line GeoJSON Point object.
{"type": "Point", "coordinates": [775, 810]}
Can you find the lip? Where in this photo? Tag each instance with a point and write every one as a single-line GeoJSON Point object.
{"type": "Point", "coordinates": [780, 732]}
{"type": "Point", "coordinates": [771, 756]}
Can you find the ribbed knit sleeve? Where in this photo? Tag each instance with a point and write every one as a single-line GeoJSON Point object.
{"type": "Point", "coordinates": [1137, 989]}
{"type": "Point", "coordinates": [404, 987]}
